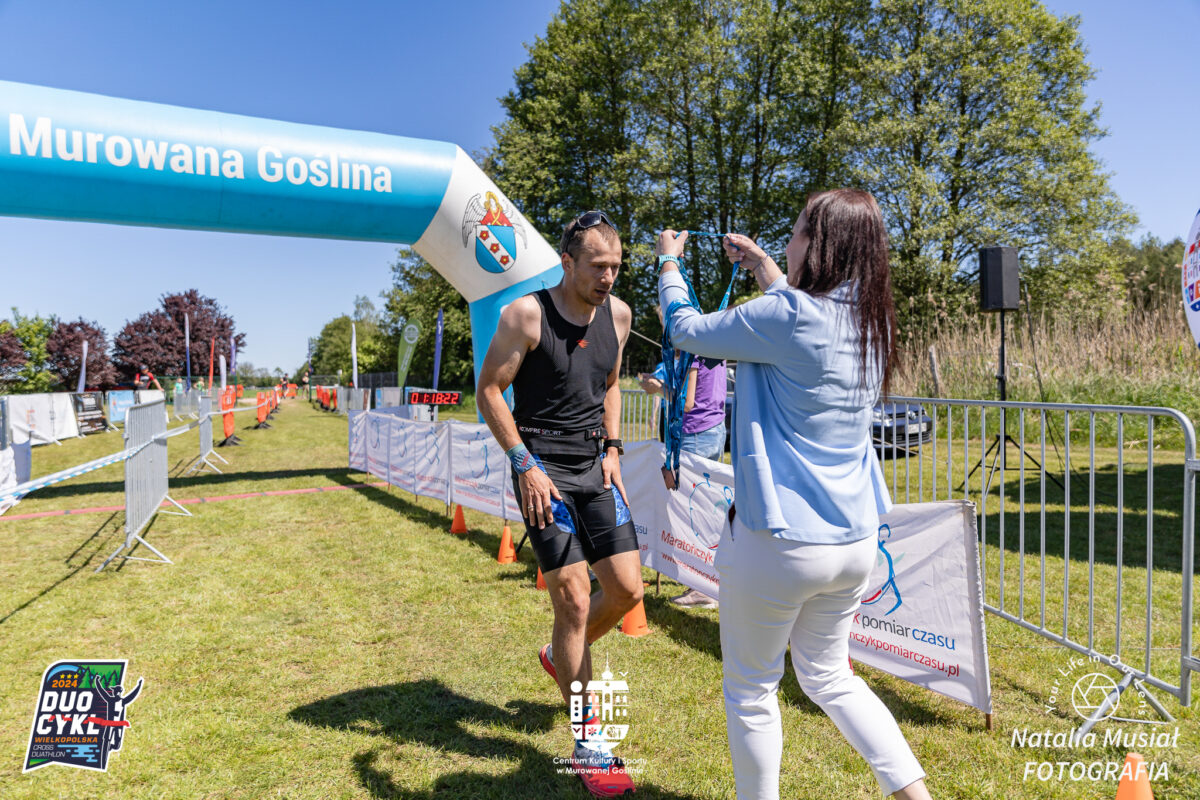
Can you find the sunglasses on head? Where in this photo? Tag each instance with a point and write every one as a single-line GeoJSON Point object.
{"type": "Point", "coordinates": [589, 219]}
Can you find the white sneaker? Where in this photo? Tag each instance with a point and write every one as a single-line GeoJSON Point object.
{"type": "Point", "coordinates": [695, 599]}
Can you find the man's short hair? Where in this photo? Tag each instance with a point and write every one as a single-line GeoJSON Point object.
{"type": "Point", "coordinates": [577, 228]}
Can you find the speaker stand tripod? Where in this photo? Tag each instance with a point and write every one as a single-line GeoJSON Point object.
{"type": "Point", "coordinates": [1001, 441]}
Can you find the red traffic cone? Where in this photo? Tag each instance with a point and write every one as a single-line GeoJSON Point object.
{"type": "Point", "coordinates": [634, 623]}
{"type": "Point", "coordinates": [459, 525]}
{"type": "Point", "coordinates": [508, 553]}
{"type": "Point", "coordinates": [541, 581]}
{"type": "Point", "coordinates": [1135, 779]}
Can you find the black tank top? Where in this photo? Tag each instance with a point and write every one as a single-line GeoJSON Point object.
{"type": "Point", "coordinates": [558, 393]}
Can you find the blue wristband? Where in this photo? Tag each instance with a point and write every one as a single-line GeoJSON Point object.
{"type": "Point", "coordinates": [521, 458]}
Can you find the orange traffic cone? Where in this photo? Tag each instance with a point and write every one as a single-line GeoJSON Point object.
{"type": "Point", "coordinates": [541, 582]}
{"type": "Point", "coordinates": [1135, 779]}
{"type": "Point", "coordinates": [634, 623]}
{"type": "Point", "coordinates": [459, 525]}
{"type": "Point", "coordinates": [508, 553]}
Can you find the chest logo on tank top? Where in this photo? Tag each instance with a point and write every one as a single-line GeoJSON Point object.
{"type": "Point", "coordinates": [489, 220]}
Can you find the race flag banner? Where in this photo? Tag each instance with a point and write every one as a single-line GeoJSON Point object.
{"type": "Point", "coordinates": [404, 351]}
{"type": "Point", "coordinates": [82, 369]}
{"type": "Point", "coordinates": [354, 354]}
{"type": "Point", "coordinates": [187, 348]}
{"type": "Point", "coordinates": [437, 349]}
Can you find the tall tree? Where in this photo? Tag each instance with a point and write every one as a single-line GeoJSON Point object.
{"type": "Point", "coordinates": [974, 130]}
{"type": "Point", "coordinates": [64, 348]}
{"type": "Point", "coordinates": [967, 119]}
{"type": "Point", "coordinates": [12, 355]}
{"type": "Point", "coordinates": [156, 337]}
{"type": "Point", "coordinates": [24, 362]}
{"type": "Point", "coordinates": [417, 293]}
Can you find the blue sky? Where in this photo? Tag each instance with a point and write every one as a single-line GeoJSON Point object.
{"type": "Point", "coordinates": [431, 70]}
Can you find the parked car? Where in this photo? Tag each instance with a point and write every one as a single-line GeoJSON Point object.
{"type": "Point", "coordinates": [899, 428]}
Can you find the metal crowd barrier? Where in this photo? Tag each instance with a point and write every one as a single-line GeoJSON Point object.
{"type": "Point", "coordinates": [187, 403]}
{"type": "Point", "coordinates": [1086, 519]}
{"type": "Point", "coordinates": [639, 415]}
{"type": "Point", "coordinates": [204, 410]}
{"type": "Point", "coordinates": [145, 477]}
{"type": "Point", "coordinates": [356, 400]}
{"type": "Point", "coordinates": [1080, 567]}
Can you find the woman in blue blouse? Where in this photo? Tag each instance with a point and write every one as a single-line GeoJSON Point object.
{"type": "Point", "coordinates": [814, 353]}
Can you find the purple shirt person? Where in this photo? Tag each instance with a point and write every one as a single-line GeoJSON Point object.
{"type": "Point", "coordinates": [705, 406]}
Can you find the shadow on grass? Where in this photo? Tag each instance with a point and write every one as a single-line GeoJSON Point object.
{"type": "Point", "coordinates": [102, 542]}
{"type": "Point", "coordinates": [339, 475]}
{"type": "Point", "coordinates": [1103, 517]}
{"type": "Point", "coordinates": [428, 713]}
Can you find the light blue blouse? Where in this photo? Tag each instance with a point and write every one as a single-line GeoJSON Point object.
{"type": "Point", "coordinates": [803, 463]}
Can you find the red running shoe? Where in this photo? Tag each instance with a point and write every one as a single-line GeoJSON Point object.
{"type": "Point", "coordinates": [546, 656]}
{"type": "Point", "coordinates": [603, 775]}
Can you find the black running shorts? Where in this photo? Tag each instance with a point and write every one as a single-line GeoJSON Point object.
{"type": "Point", "coordinates": [590, 522]}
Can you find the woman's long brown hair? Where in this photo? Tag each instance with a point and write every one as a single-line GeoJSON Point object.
{"type": "Point", "coordinates": [848, 242]}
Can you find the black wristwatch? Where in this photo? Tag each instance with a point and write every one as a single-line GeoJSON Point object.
{"type": "Point", "coordinates": [617, 443]}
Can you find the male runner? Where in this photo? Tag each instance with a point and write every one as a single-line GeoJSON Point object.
{"type": "Point", "coordinates": [560, 350]}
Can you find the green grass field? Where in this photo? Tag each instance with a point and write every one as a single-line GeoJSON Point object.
{"type": "Point", "coordinates": [345, 645]}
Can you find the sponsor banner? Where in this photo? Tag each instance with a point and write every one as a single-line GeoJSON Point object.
{"type": "Point", "coordinates": [1191, 279]}
{"type": "Point", "coordinates": [118, 402]}
{"type": "Point", "coordinates": [480, 469]}
{"type": "Point", "coordinates": [389, 397]}
{"type": "Point", "coordinates": [921, 618]}
{"type": "Point", "coordinates": [8, 474]}
{"type": "Point", "coordinates": [41, 418]}
{"type": "Point", "coordinates": [678, 532]}
{"type": "Point", "coordinates": [377, 433]}
{"type": "Point", "coordinates": [431, 459]}
{"type": "Point", "coordinates": [358, 440]}
{"type": "Point", "coordinates": [89, 412]}
{"type": "Point", "coordinates": [400, 458]}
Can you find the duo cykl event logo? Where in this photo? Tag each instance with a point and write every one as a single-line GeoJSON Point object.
{"type": "Point", "coordinates": [80, 720]}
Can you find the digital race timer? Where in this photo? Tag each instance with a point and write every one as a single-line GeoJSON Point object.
{"type": "Point", "coordinates": [428, 397]}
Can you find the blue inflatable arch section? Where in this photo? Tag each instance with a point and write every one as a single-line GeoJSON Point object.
{"type": "Point", "coordinates": [75, 156]}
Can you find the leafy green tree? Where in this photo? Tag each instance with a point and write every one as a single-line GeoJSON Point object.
{"type": "Point", "coordinates": [27, 367]}
{"type": "Point", "coordinates": [967, 119]}
{"type": "Point", "coordinates": [974, 130]}
{"type": "Point", "coordinates": [417, 293]}
{"type": "Point", "coordinates": [1151, 272]}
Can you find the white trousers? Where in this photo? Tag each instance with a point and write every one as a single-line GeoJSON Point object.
{"type": "Point", "coordinates": [776, 591]}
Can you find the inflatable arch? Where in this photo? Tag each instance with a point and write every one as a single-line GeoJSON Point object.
{"type": "Point", "coordinates": [75, 156]}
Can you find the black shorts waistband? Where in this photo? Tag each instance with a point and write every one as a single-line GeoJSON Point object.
{"type": "Point", "coordinates": [551, 441]}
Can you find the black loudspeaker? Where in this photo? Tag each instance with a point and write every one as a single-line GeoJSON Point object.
{"type": "Point", "coordinates": [999, 286]}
